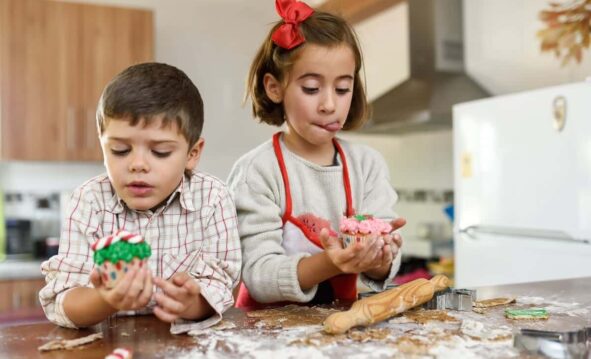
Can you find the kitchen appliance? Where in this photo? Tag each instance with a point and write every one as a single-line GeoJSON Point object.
{"type": "Point", "coordinates": [522, 182]}
{"type": "Point", "coordinates": [18, 237]}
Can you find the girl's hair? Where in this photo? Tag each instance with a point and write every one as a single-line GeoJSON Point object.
{"type": "Point", "coordinates": [322, 29]}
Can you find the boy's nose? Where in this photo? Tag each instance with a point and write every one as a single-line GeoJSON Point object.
{"type": "Point", "coordinates": [138, 164]}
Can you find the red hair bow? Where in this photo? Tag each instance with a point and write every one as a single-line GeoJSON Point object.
{"type": "Point", "coordinates": [293, 13]}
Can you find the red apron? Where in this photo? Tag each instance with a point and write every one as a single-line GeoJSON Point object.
{"type": "Point", "coordinates": [301, 234]}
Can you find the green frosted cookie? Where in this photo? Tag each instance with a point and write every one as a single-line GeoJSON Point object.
{"type": "Point", "coordinates": [530, 313]}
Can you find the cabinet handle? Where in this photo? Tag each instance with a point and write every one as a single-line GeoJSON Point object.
{"type": "Point", "coordinates": [16, 300]}
{"type": "Point", "coordinates": [70, 128]}
{"type": "Point", "coordinates": [90, 129]}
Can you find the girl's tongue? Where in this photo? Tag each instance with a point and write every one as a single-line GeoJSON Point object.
{"type": "Point", "coordinates": [332, 127]}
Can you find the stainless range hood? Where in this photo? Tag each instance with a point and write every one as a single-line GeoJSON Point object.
{"type": "Point", "coordinates": [437, 78]}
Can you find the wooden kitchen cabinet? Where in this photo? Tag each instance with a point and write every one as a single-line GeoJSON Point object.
{"type": "Point", "coordinates": [55, 59]}
{"type": "Point", "coordinates": [19, 299]}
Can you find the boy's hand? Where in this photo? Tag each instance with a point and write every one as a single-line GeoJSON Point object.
{"type": "Point", "coordinates": [132, 292]}
{"type": "Point", "coordinates": [180, 298]}
{"type": "Point", "coordinates": [357, 258]}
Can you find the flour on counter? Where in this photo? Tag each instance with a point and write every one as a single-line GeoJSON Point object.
{"type": "Point", "coordinates": [555, 307]}
{"type": "Point", "coordinates": [298, 333]}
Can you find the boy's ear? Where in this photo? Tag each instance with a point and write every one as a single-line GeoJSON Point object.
{"type": "Point", "coordinates": [195, 154]}
{"type": "Point", "coordinates": [273, 88]}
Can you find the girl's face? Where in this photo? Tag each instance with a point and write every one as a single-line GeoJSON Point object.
{"type": "Point", "coordinates": [318, 95]}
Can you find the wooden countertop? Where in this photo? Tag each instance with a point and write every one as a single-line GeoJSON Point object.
{"type": "Point", "coordinates": [568, 303]}
{"type": "Point", "coordinates": [145, 335]}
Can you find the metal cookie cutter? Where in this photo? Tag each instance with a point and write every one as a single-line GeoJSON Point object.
{"type": "Point", "coordinates": [455, 299]}
{"type": "Point", "coordinates": [575, 344]}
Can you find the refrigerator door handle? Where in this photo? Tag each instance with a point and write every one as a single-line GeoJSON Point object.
{"type": "Point", "coordinates": [474, 230]}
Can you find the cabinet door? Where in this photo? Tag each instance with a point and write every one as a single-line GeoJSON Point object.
{"type": "Point", "coordinates": [31, 91]}
{"type": "Point", "coordinates": [55, 59]}
{"type": "Point", "coordinates": [19, 300]}
{"type": "Point", "coordinates": [111, 40]}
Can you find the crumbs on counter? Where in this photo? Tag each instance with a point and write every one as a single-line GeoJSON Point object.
{"type": "Point", "coordinates": [69, 343]}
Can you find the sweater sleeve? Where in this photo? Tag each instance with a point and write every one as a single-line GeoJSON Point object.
{"type": "Point", "coordinates": [379, 199]}
{"type": "Point", "coordinates": [267, 271]}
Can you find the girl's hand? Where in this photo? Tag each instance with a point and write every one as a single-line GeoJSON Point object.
{"type": "Point", "coordinates": [397, 223]}
{"type": "Point", "coordinates": [392, 244]}
{"type": "Point", "coordinates": [180, 298]}
{"type": "Point", "coordinates": [357, 258]}
{"type": "Point", "coordinates": [132, 292]}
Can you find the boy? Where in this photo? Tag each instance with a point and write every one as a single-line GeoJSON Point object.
{"type": "Point", "coordinates": [149, 120]}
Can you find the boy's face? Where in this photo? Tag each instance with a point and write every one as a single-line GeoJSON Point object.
{"type": "Point", "coordinates": [146, 163]}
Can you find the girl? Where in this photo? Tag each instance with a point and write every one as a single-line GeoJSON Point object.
{"type": "Point", "coordinates": [292, 191]}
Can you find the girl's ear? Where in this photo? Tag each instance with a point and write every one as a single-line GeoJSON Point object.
{"type": "Point", "coordinates": [273, 88]}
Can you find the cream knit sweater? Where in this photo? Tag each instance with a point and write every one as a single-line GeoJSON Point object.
{"type": "Point", "coordinates": [257, 188]}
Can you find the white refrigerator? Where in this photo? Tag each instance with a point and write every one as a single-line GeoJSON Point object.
{"type": "Point", "coordinates": [522, 187]}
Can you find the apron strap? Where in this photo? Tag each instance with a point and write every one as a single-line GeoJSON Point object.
{"type": "Point", "coordinates": [350, 210]}
{"type": "Point", "coordinates": [279, 156]}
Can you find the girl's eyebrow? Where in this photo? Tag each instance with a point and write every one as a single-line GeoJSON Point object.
{"type": "Point", "coordinates": [315, 75]}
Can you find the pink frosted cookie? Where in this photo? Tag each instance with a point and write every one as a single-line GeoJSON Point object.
{"type": "Point", "coordinates": [114, 255]}
{"type": "Point", "coordinates": [362, 226]}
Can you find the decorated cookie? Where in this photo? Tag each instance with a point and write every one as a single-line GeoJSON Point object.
{"type": "Point", "coordinates": [114, 255]}
{"type": "Point", "coordinates": [529, 313]}
{"type": "Point", "coordinates": [361, 227]}
{"type": "Point", "coordinates": [120, 353]}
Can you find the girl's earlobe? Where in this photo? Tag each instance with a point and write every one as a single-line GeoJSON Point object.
{"type": "Point", "coordinates": [273, 88]}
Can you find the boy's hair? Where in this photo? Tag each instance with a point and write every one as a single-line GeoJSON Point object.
{"type": "Point", "coordinates": [150, 90]}
{"type": "Point", "coordinates": [322, 29]}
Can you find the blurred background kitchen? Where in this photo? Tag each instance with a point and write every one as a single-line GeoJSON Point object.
{"type": "Point", "coordinates": [421, 58]}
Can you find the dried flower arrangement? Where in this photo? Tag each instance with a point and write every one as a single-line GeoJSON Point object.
{"type": "Point", "coordinates": [568, 29]}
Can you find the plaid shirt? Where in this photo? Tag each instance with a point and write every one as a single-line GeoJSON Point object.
{"type": "Point", "coordinates": [194, 232]}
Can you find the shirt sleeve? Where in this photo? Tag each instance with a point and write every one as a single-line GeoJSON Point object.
{"type": "Point", "coordinates": [268, 272]}
{"type": "Point", "coordinates": [217, 267]}
{"type": "Point", "coordinates": [379, 199]}
{"type": "Point", "coordinates": [72, 265]}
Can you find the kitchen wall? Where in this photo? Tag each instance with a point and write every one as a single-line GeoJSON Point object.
{"type": "Point", "coordinates": [503, 53]}
{"type": "Point", "coordinates": [421, 170]}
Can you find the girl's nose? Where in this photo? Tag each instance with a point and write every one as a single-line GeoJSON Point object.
{"type": "Point", "coordinates": [327, 104]}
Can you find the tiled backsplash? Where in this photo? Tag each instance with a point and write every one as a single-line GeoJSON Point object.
{"type": "Point", "coordinates": [425, 195]}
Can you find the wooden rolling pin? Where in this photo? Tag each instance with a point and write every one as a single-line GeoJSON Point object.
{"type": "Point", "coordinates": [384, 305]}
